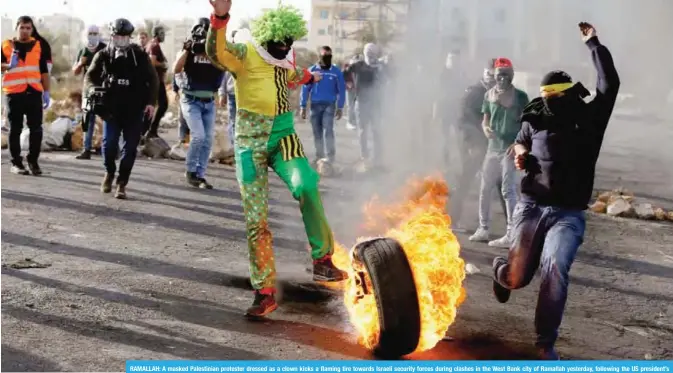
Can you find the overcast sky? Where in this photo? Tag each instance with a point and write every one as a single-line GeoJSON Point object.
{"type": "Point", "coordinates": [99, 12]}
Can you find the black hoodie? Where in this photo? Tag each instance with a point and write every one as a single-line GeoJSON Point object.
{"type": "Point", "coordinates": [561, 165]}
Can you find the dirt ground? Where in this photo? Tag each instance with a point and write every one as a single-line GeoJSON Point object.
{"type": "Point", "coordinates": [164, 274]}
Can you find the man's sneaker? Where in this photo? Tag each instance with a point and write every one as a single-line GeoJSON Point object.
{"type": "Point", "coordinates": [501, 293]}
{"type": "Point", "coordinates": [350, 126]}
{"type": "Point", "coordinates": [503, 242]}
{"type": "Point", "coordinates": [19, 169]}
{"type": "Point", "coordinates": [203, 184]}
{"type": "Point", "coordinates": [106, 185]}
{"type": "Point", "coordinates": [263, 305]}
{"type": "Point", "coordinates": [192, 179]}
{"type": "Point", "coordinates": [34, 168]}
{"type": "Point", "coordinates": [547, 353]}
{"type": "Point", "coordinates": [121, 191]}
{"type": "Point", "coordinates": [324, 270]}
{"type": "Point", "coordinates": [481, 235]}
{"type": "Point", "coordinates": [85, 154]}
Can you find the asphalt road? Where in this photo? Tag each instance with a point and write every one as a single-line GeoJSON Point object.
{"type": "Point", "coordinates": [163, 275]}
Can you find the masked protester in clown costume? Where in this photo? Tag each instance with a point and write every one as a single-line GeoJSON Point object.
{"type": "Point", "coordinates": [265, 137]}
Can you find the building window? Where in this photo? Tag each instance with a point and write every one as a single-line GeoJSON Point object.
{"type": "Point", "coordinates": [500, 15]}
{"type": "Point", "coordinates": [330, 30]}
{"type": "Point", "coordinates": [362, 14]}
{"type": "Point", "coordinates": [343, 34]}
{"type": "Point", "coordinates": [344, 14]}
{"type": "Point", "coordinates": [324, 14]}
{"type": "Point", "coordinates": [338, 50]}
{"type": "Point", "coordinates": [321, 31]}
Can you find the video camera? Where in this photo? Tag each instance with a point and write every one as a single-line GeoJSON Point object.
{"type": "Point", "coordinates": [95, 103]}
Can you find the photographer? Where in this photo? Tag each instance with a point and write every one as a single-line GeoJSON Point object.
{"type": "Point", "coordinates": [197, 102]}
{"type": "Point", "coordinates": [121, 85]}
{"type": "Point", "coordinates": [84, 58]}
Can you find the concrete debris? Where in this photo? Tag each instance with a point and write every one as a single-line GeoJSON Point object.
{"type": "Point", "coordinates": [599, 207]}
{"type": "Point", "coordinates": [156, 147]}
{"type": "Point", "coordinates": [621, 202]}
{"type": "Point", "coordinates": [644, 211]}
{"type": "Point", "coordinates": [619, 207]}
{"type": "Point", "coordinates": [471, 269]}
{"type": "Point", "coordinates": [659, 214]}
{"type": "Point", "coordinates": [178, 152]}
{"type": "Point", "coordinates": [222, 150]}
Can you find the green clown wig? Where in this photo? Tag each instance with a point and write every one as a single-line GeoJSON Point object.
{"type": "Point", "coordinates": [278, 25]}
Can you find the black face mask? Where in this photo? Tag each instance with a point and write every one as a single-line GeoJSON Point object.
{"type": "Point", "coordinates": [326, 61]}
{"type": "Point", "coordinates": [279, 50]}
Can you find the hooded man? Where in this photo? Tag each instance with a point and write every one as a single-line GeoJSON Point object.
{"type": "Point", "coordinates": [265, 137]}
{"type": "Point", "coordinates": [84, 58]}
{"type": "Point", "coordinates": [160, 63]}
{"type": "Point", "coordinates": [328, 98]}
{"type": "Point", "coordinates": [557, 148]}
{"type": "Point", "coordinates": [502, 107]}
{"type": "Point", "coordinates": [367, 76]}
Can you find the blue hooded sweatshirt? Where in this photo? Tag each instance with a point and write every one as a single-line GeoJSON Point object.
{"type": "Point", "coordinates": [331, 89]}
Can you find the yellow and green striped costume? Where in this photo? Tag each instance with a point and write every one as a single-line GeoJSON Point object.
{"type": "Point", "coordinates": [265, 137]}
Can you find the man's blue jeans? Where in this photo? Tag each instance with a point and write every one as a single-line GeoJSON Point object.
{"type": "Point", "coordinates": [231, 122]}
{"type": "Point", "coordinates": [322, 121]}
{"type": "Point", "coordinates": [130, 130]}
{"type": "Point", "coordinates": [545, 237]}
{"type": "Point", "coordinates": [200, 117]}
{"type": "Point", "coordinates": [88, 135]}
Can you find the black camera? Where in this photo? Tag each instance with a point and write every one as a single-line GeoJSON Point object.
{"type": "Point", "coordinates": [95, 101]}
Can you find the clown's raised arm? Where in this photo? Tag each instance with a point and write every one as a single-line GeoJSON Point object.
{"type": "Point", "coordinates": [223, 53]}
{"type": "Point", "coordinates": [273, 36]}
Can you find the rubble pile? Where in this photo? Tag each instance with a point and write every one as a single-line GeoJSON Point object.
{"type": "Point", "coordinates": [622, 202]}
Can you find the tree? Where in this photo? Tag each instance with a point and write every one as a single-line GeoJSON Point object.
{"type": "Point", "coordinates": [60, 59]}
{"type": "Point", "coordinates": [149, 24]}
{"type": "Point", "coordinates": [375, 32]}
{"type": "Point", "coordinates": [305, 57]}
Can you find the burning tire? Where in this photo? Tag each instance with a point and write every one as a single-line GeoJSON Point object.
{"type": "Point", "coordinates": [394, 288]}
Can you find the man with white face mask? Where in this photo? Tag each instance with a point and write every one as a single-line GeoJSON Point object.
{"type": "Point", "coordinates": [84, 58]}
{"type": "Point", "coordinates": [121, 85]}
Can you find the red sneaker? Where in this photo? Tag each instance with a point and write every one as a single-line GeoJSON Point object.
{"type": "Point", "coordinates": [324, 270]}
{"type": "Point", "coordinates": [264, 304]}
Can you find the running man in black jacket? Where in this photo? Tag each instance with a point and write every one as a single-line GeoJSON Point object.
{"type": "Point", "coordinates": [557, 148]}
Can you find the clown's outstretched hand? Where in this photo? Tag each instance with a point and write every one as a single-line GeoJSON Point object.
{"type": "Point", "coordinates": [220, 7]}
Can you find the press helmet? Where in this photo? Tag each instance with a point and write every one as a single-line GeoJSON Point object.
{"type": "Point", "coordinates": [121, 27]}
{"type": "Point", "coordinates": [200, 30]}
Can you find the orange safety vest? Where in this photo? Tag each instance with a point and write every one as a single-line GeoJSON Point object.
{"type": "Point", "coordinates": [27, 72]}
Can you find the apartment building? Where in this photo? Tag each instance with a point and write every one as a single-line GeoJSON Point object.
{"type": "Point", "coordinates": [346, 25]}
{"type": "Point", "coordinates": [7, 27]}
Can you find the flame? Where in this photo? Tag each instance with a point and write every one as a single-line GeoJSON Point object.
{"type": "Point", "coordinates": [421, 226]}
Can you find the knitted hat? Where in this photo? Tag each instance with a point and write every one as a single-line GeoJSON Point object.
{"type": "Point", "coordinates": [556, 77]}
{"type": "Point", "coordinates": [503, 65]}
{"type": "Point", "coordinates": [555, 82]}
